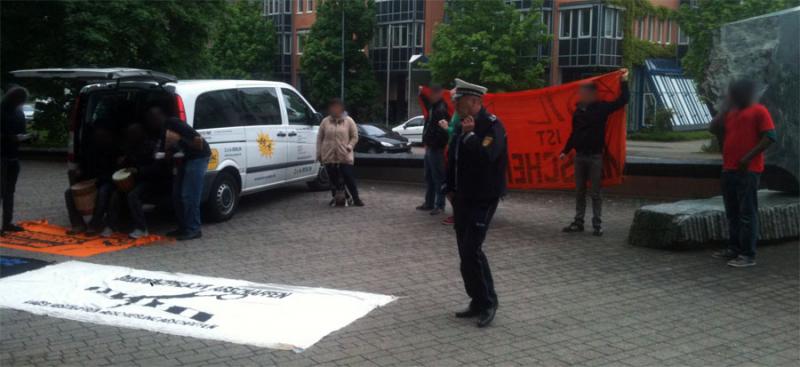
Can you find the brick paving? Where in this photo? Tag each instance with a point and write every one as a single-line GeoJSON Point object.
{"type": "Point", "coordinates": [564, 299]}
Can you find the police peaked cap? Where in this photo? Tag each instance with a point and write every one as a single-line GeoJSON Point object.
{"type": "Point", "coordinates": [468, 89]}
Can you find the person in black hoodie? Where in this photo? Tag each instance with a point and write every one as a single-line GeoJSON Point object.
{"type": "Point", "coordinates": [588, 139]}
{"type": "Point", "coordinates": [12, 133]}
{"type": "Point", "coordinates": [476, 180]}
{"type": "Point", "coordinates": [100, 158]}
{"type": "Point", "coordinates": [140, 157]}
{"type": "Point", "coordinates": [434, 138]}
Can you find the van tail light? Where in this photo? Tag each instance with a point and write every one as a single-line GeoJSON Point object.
{"type": "Point", "coordinates": [73, 125]}
{"type": "Point", "coordinates": [181, 108]}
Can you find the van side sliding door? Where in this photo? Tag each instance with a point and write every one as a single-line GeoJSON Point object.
{"type": "Point", "coordinates": [216, 118]}
{"type": "Point", "coordinates": [267, 139]}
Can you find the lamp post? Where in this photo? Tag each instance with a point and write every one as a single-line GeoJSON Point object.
{"type": "Point", "coordinates": [341, 85]}
{"type": "Point", "coordinates": [411, 61]}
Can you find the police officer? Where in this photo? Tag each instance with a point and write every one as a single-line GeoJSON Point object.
{"type": "Point", "coordinates": [476, 179]}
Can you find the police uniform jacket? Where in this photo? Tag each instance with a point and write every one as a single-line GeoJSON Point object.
{"type": "Point", "coordinates": [477, 162]}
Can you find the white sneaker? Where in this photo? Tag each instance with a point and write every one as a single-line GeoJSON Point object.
{"type": "Point", "coordinates": [137, 233]}
{"type": "Point", "coordinates": [106, 233]}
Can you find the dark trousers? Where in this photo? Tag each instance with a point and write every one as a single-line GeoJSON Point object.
{"type": "Point", "coordinates": [9, 173]}
{"type": "Point", "coordinates": [472, 221]}
{"type": "Point", "coordinates": [187, 194]}
{"type": "Point", "coordinates": [740, 195]}
{"type": "Point", "coordinates": [134, 201]}
{"type": "Point", "coordinates": [434, 177]}
{"type": "Point", "coordinates": [100, 217]}
{"type": "Point", "coordinates": [588, 167]}
{"type": "Point", "coordinates": [338, 173]}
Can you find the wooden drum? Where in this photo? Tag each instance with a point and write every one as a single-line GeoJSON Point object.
{"type": "Point", "coordinates": [84, 194]}
{"type": "Point", "coordinates": [123, 179]}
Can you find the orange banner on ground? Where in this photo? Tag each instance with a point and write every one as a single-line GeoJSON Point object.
{"type": "Point", "coordinates": [538, 123]}
{"type": "Point", "coordinates": [40, 236]}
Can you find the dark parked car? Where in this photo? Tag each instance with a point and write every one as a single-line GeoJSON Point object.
{"type": "Point", "coordinates": [378, 139]}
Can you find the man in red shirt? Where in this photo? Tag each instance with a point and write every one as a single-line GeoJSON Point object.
{"type": "Point", "coordinates": [745, 131]}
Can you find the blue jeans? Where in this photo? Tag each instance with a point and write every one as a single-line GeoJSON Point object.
{"type": "Point", "coordinates": [740, 194]}
{"type": "Point", "coordinates": [187, 193]}
{"type": "Point", "coordinates": [434, 177]}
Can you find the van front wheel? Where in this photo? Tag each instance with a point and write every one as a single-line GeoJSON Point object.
{"type": "Point", "coordinates": [223, 198]}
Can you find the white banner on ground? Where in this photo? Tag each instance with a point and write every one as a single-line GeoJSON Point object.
{"type": "Point", "coordinates": [237, 311]}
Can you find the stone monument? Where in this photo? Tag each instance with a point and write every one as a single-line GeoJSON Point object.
{"type": "Point", "coordinates": [765, 49]}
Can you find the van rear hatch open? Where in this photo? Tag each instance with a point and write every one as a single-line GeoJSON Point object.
{"type": "Point", "coordinates": [99, 74]}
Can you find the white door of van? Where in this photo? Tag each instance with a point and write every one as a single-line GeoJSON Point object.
{"type": "Point", "coordinates": [216, 117]}
{"type": "Point", "coordinates": [267, 140]}
{"type": "Point", "coordinates": [302, 133]}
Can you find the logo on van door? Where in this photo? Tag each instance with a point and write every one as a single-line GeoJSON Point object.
{"type": "Point", "coordinates": [264, 144]}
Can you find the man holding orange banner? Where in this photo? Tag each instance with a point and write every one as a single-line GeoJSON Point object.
{"type": "Point", "coordinates": [588, 139]}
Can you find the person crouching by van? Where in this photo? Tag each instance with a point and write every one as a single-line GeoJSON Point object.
{"type": "Point", "coordinates": [336, 139]}
{"type": "Point", "coordinates": [181, 140]}
{"type": "Point", "coordinates": [100, 159]}
{"type": "Point", "coordinates": [140, 158]}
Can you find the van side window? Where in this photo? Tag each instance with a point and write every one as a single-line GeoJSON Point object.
{"type": "Point", "coordinates": [217, 109]}
{"type": "Point", "coordinates": [296, 109]}
{"type": "Point", "coordinates": [260, 106]}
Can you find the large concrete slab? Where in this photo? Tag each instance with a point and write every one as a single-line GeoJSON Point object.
{"type": "Point", "coordinates": [698, 222]}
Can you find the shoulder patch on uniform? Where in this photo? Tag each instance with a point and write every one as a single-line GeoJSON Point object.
{"type": "Point", "coordinates": [492, 117]}
{"type": "Point", "coordinates": [487, 141]}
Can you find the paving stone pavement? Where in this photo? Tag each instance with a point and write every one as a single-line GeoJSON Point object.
{"type": "Point", "coordinates": [564, 299]}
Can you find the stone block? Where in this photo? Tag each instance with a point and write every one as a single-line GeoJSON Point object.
{"type": "Point", "coordinates": [689, 223]}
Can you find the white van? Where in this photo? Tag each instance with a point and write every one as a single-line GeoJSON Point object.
{"type": "Point", "coordinates": [262, 134]}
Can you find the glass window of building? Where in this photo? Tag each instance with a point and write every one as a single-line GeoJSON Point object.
{"type": "Point", "coordinates": [585, 21]}
{"type": "Point", "coordinates": [659, 26]}
{"type": "Point", "coordinates": [608, 22]}
{"type": "Point", "coordinates": [683, 39]}
{"type": "Point", "coordinates": [310, 6]}
{"type": "Point", "coordinates": [669, 31]}
{"type": "Point", "coordinates": [419, 39]}
{"type": "Point", "coordinates": [565, 24]}
{"type": "Point", "coordinates": [301, 40]}
{"type": "Point", "coordinates": [650, 28]}
{"type": "Point", "coordinates": [618, 23]}
{"type": "Point", "coordinates": [287, 44]}
{"type": "Point", "coordinates": [300, 6]}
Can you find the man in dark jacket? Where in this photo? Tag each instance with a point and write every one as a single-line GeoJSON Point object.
{"type": "Point", "coordinates": [12, 133]}
{"type": "Point", "coordinates": [476, 180]}
{"type": "Point", "coordinates": [588, 139]}
{"type": "Point", "coordinates": [434, 137]}
{"type": "Point", "coordinates": [183, 142]}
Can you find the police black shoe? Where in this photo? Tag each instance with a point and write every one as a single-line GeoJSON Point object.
{"type": "Point", "coordinates": [573, 227]}
{"type": "Point", "coordinates": [486, 317]}
{"type": "Point", "coordinates": [358, 202]}
{"type": "Point", "coordinates": [424, 208]}
{"type": "Point", "coordinates": [597, 231]}
{"type": "Point", "coordinates": [467, 313]}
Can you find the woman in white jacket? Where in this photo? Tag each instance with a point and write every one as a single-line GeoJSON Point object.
{"type": "Point", "coordinates": [336, 140]}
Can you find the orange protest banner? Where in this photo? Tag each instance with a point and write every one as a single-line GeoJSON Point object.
{"type": "Point", "coordinates": [40, 236]}
{"type": "Point", "coordinates": [538, 123]}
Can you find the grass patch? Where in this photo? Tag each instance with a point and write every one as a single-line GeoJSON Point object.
{"type": "Point", "coordinates": [645, 135]}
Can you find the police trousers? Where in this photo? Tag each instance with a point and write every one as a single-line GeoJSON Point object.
{"type": "Point", "coordinates": [472, 221]}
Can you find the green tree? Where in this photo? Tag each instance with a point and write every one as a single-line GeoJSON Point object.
{"type": "Point", "coordinates": [244, 43]}
{"type": "Point", "coordinates": [490, 43]}
{"type": "Point", "coordinates": [702, 18]}
{"type": "Point", "coordinates": [322, 56]}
